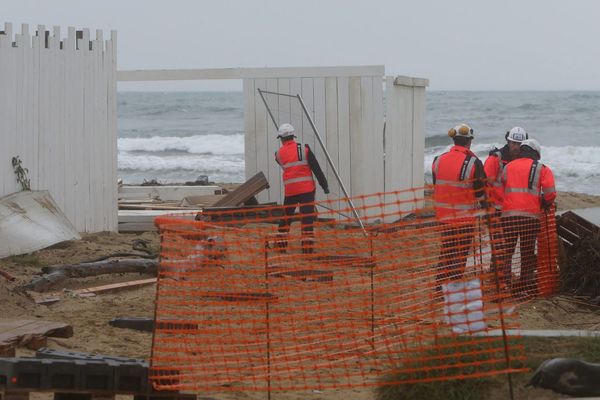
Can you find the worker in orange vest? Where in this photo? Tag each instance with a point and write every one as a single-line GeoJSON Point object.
{"type": "Point", "coordinates": [528, 189]}
{"type": "Point", "coordinates": [497, 160]}
{"type": "Point", "coordinates": [298, 163]}
{"type": "Point", "coordinates": [459, 192]}
{"type": "Point", "coordinates": [494, 166]}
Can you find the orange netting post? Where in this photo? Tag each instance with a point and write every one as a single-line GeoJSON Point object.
{"type": "Point", "coordinates": [547, 255]}
{"type": "Point", "coordinates": [243, 305]}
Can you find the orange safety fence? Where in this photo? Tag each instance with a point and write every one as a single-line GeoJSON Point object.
{"type": "Point", "coordinates": [242, 305]}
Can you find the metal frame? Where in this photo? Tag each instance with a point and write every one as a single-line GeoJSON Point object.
{"type": "Point", "coordinates": [318, 136]}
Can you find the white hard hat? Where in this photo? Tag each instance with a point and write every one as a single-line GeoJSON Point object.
{"type": "Point", "coordinates": [532, 144]}
{"type": "Point", "coordinates": [517, 134]}
{"type": "Point", "coordinates": [285, 130]}
{"type": "Point", "coordinates": [462, 130]}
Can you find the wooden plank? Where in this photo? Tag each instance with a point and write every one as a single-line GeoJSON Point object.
{"type": "Point", "coordinates": [367, 151]}
{"type": "Point", "coordinates": [113, 287]}
{"type": "Point", "coordinates": [87, 133]}
{"type": "Point", "coordinates": [263, 158]}
{"type": "Point", "coordinates": [137, 227]}
{"type": "Point", "coordinates": [111, 53]}
{"type": "Point", "coordinates": [418, 139]}
{"type": "Point", "coordinates": [308, 136]}
{"type": "Point", "coordinates": [331, 135]}
{"type": "Point", "coordinates": [320, 123]}
{"type": "Point", "coordinates": [248, 73]}
{"type": "Point", "coordinates": [15, 332]}
{"type": "Point", "coordinates": [377, 136]}
{"type": "Point", "coordinates": [70, 129]}
{"type": "Point", "coordinates": [344, 165]}
{"type": "Point", "coordinates": [249, 128]}
{"type": "Point", "coordinates": [245, 191]}
{"type": "Point", "coordinates": [274, 171]}
{"type": "Point", "coordinates": [357, 161]}
{"type": "Point", "coordinates": [296, 112]}
{"type": "Point", "coordinates": [166, 193]}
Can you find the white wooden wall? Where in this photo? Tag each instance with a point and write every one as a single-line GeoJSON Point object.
{"type": "Point", "coordinates": [58, 114]}
{"type": "Point", "coordinates": [405, 137]}
{"type": "Point", "coordinates": [348, 110]}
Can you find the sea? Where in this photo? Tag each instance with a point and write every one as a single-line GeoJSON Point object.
{"type": "Point", "coordinates": [181, 136]}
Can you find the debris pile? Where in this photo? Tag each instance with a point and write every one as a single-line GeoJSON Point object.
{"type": "Point", "coordinates": [580, 240]}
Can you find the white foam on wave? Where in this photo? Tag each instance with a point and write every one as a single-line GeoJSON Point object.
{"type": "Point", "coordinates": [200, 163]}
{"type": "Point", "coordinates": [199, 144]}
{"type": "Point", "coordinates": [575, 167]}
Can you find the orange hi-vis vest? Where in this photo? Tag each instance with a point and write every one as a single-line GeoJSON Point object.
{"type": "Point", "coordinates": [526, 182]}
{"type": "Point", "coordinates": [297, 175]}
{"type": "Point", "coordinates": [493, 167]}
{"type": "Point", "coordinates": [453, 191]}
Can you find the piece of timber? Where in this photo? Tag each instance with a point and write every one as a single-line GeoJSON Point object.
{"type": "Point", "coordinates": [15, 332]}
{"type": "Point", "coordinates": [113, 287]}
{"type": "Point", "coordinates": [245, 191]}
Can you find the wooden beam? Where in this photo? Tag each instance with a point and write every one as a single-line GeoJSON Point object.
{"type": "Point", "coordinates": [243, 73]}
{"type": "Point", "coordinates": [113, 287]}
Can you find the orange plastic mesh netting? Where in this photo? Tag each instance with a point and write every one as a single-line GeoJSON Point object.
{"type": "Point", "coordinates": [243, 306]}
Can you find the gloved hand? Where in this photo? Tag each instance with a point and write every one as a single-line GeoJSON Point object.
{"type": "Point", "coordinates": [326, 190]}
{"type": "Point", "coordinates": [546, 205]}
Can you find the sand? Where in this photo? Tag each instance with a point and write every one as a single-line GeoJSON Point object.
{"type": "Point", "coordinates": [90, 316]}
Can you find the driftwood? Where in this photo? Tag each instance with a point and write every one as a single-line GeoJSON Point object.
{"type": "Point", "coordinates": [55, 274]}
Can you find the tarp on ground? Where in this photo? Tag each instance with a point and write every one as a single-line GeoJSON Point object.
{"type": "Point", "coordinates": [30, 221]}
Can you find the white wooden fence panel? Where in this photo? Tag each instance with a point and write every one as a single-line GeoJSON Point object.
{"type": "Point", "coordinates": [58, 114]}
{"type": "Point", "coordinates": [348, 111]}
{"type": "Point", "coordinates": [405, 139]}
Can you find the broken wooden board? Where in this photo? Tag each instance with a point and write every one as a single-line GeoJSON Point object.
{"type": "Point", "coordinates": [31, 333]}
{"type": "Point", "coordinates": [207, 200]}
{"type": "Point", "coordinates": [30, 221]}
{"type": "Point", "coordinates": [92, 291]}
{"type": "Point", "coordinates": [244, 192]}
{"type": "Point", "coordinates": [165, 193]}
{"type": "Point", "coordinates": [572, 228]}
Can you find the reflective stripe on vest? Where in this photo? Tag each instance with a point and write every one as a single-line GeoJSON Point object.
{"type": "Point", "coordinates": [295, 164]}
{"type": "Point", "coordinates": [301, 179]}
{"type": "Point", "coordinates": [520, 213]}
{"type": "Point", "coordinates": [466, 185]}
{"type": "Point", "coordinates": [533, 188]}
{"type": "Point", "coordinates": [457, 206]}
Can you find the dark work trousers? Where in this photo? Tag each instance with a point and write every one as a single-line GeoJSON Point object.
{"type": "Point", "coordinates": [499, 248]}
{"type": "Point", "coordinates": [456, 243]}
{"type": "Point", "coordinates": [526, 230]}
{"type": "Point", "coordinates": [307, 210]}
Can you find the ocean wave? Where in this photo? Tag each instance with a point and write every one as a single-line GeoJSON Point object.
{"type": "Point", "coordinates": [199, 144]}
{"type": "Point", "coordinates": [197, 164]}
{"type": "Point", "coordinates": [574, 167]}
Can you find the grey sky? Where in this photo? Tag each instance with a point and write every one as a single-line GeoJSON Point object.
{"type": "Point", "coordinates": [458, 44]}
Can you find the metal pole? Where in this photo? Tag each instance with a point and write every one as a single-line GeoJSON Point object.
{"type": "Point", "coordinates": [266, 253]}
{"type": "Point", "coordinates": [268, 109]}
{"type": "Point", "coordinates": [348, 199]}
{"type": "Point", "coordinates": [495, 266]}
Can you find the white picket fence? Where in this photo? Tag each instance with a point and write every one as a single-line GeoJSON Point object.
{"type": "Point", "coordinates": [58, 114]}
